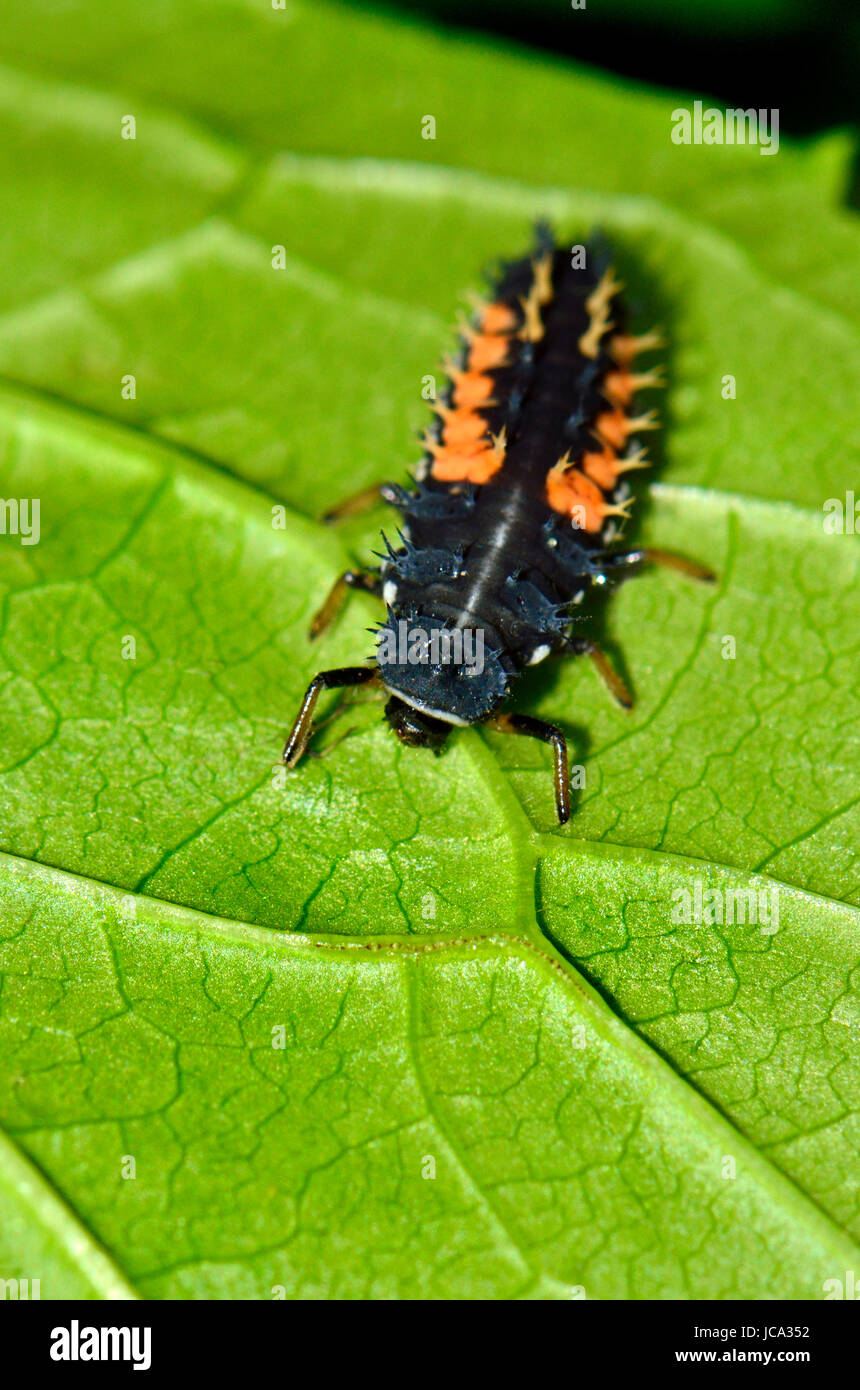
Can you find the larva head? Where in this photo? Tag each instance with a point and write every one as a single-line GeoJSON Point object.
{"type": "Point", "coordinates": [414, 728]}
{"type": "Point", "coordinates": [448, 675]}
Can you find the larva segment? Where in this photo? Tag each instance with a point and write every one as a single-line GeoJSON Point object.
{"type": "Point", "coordinates": [479, 397]}
{"type": "Point", "coordinates": [546, 337]}
{"type": "Point", "coordinates": [582, 484]}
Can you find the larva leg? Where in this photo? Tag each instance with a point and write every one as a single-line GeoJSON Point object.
{"type": "Point", "coordinates": [350, 579]}
{"type": "Point", "coordinates": [614, 684]}
{"type": "Point", "coordinates": [669, 559]}
{"type": "Point", "coordinates": [547, 733]}
{"type": "Point", "coordinates": [324, 680]}
{"type": "Point", "coordinates": [356, 503]}
{"type": "Point", "coordinates": [337, 713]}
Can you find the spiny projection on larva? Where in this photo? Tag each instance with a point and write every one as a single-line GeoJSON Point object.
{"type": "Point", "coordinates": [515, 512]}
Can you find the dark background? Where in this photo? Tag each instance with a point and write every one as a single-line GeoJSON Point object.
{"type": "Point", "coordinates": [802, 56]}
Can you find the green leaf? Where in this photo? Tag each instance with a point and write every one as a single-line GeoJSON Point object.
{"type": "Point", "coordinates": [44, 1251]}
{"type": "Point", "coordinates": [614, 1100]}
{"type": "Point", "coordinates": [495, 111]}
{"type": "Point", "coordinates": [449, 1119]}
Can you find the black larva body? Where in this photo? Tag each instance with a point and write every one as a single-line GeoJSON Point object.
{"type": "Point", "coordinates": [511, 517]}
{"type": "Point", "coordinates": [497, 558]}
{"type": "Point", "coordinates": [499, 568]}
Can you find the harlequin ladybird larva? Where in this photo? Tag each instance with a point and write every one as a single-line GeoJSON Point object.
{"type": "Point", "coordinates": [512, 520]}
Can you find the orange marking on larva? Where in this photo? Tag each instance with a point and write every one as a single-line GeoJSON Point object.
{"type": "Point", "coordinates": [473, 389]}
{"type": "Point", "coordinates": [615, 427]}
{"type": "Point", "coordinates": [619, 387]}
{"type": "Point", "coordinates": [461, 425]}
{"type": "Point", "coordinates": [498, 318]}
{"type": "Point", "coordinates": [470, 388]}
{"type": "Point", "coordinates": [568, 491]}
{"type": "Point", "coordinates": [488, 350]}
{"type": "Point", "coordinates": [478, 470]}
{"type": "Point", "coordinates": [606, 467]}
{"type": "Point", "coordinates": [624, 347]}
{"type": "Point", "coordinates": [475, 463]}
{"type": "Point", "coordinates": [612, 428]}
{"type": "Point", "coordinates": [602, 468]}
{"type": "Point", "coordinates": [440, 450]}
